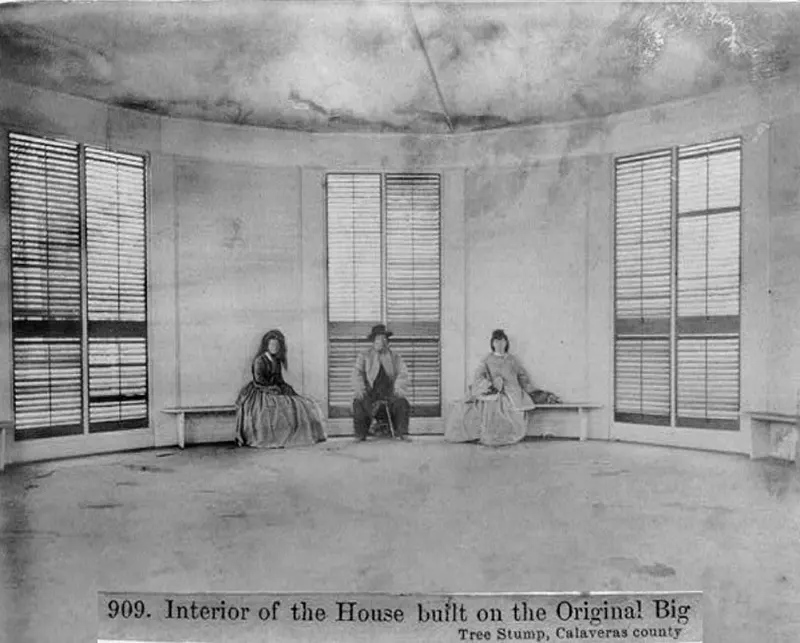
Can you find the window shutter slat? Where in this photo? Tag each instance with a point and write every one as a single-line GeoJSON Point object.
{"type": "Point", "coordinates": [47, 384]}
{"type": "Point", "coordinates": [642, 222]}
{"type": "Point", "coordinates": [354, 277]}
{"type": "Point", "coordinates": [117, 381]}
{"type": "Point", "coordinates": [384, 259]}
{"type": "Point", "coordinates": [413, 282]}
{"type": "Point", "coordinates": [413, 248]}
{"type": "Point", "coordinates": [708, 265]}
{"type": "Point", "coordinates": [643, 282]}
{"type": "Point", "coordinates": [708, 381]}
{"type": "Point", "coordinates": [116, 289]}
{"type": "Point", "coordinates": [709, 181]}
{"type": "Point", "coordinates": [642, 378]}
{"type": "Point", "coordinates": [422, 357]}
{"type": "Point", "coordinates": [48, 230]}
{"type": "Point", "coordinates": [354, 247]}
{"type": "Point", "coordinates": [342, 354]}
{"type": "Point", "coordinates": [708, 288]}
{"type": "Point", "coordinates": [46, 285]}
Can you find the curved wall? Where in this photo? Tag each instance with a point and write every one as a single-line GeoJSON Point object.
{"type": "Point", "coordinates": [236, 236]}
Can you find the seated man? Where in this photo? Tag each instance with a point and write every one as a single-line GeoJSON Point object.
{"type": "Point", "coordinates": [380, 375]}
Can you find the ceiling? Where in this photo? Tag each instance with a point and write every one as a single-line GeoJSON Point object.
{"type": "Point", "coordinates": [392, 66]}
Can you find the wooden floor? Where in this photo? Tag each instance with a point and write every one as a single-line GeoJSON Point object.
{"type": "Point", "coordinates": [421, 517]}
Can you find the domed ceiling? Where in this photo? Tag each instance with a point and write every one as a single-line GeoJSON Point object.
{"type": "Point", "coordinates": [391, 66]}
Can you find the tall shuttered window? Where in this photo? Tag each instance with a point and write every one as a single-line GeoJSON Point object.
{"type": "Point", "coordinates": [78, 288]}
{"type": "Point", "coordinates": [384, 249]}
{"type": "Point", "coordinates": [677, 286]}
{"type": "Point", "coordinates": [643, 286]}
{"type": "Point", "coordinates": [709, 259]}
{"type": "Point", "coordinates": [46, 255]}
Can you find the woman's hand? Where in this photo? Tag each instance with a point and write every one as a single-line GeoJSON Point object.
{"type": "Point", "coordinates": [498, 384]}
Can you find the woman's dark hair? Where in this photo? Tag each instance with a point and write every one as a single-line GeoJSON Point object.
{"type": "Point", "coordinates": [499, 334]}
{"type": "Point", "coordinates": [281, 356]}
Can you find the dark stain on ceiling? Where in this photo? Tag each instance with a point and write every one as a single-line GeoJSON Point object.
{"type": "Point", "coordinates": [391, 66]}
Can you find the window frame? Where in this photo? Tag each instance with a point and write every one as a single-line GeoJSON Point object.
{"type": "Point", "coordinates": [673, 421]}
{"type": "Point", "coordinates": [86, 427]}
{"type": "Point", "coordinates": [361, 328]}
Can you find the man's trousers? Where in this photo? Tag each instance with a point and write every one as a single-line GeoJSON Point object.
{"type": "Point", "coordinates": [399, 409]}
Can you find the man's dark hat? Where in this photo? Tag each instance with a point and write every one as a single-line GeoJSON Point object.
{"type": "Point", "coordinates": [380, 329]}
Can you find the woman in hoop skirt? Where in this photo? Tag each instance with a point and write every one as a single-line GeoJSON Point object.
{"type": "Point", "coordinates": [494, 412]}
{"type": "Point", "coordinates": [270, 414]}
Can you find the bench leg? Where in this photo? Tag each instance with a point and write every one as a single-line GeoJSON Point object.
{"type": "Point", "coordinates": [2, 449]}
{"type": "Point", "coordinates": [583, 416]}
{"type": "Point", "coordinates": [181, 430]}
{"type": "Point", "coordinates": [760, 444]}
{"type": "Point", "coordinates": [797, 447]}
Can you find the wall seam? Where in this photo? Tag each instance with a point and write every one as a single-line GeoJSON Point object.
{"type": "Point", "coordinates": [176, 228]}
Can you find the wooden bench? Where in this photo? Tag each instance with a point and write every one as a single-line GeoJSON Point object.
{"type": "Point", "coordinates": [5, 427]}
{"type": "Point", "coordinates": [182, 411]}
{"type": "Point", "coordinates": [760, 432]}
{"type": "Point", "coordinates": [582, 409]}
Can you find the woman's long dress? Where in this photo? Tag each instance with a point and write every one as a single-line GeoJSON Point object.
{"type": "Point", "coordinates": [270, 413]}
{"type": "Point", "coordinates": [491, 417]}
